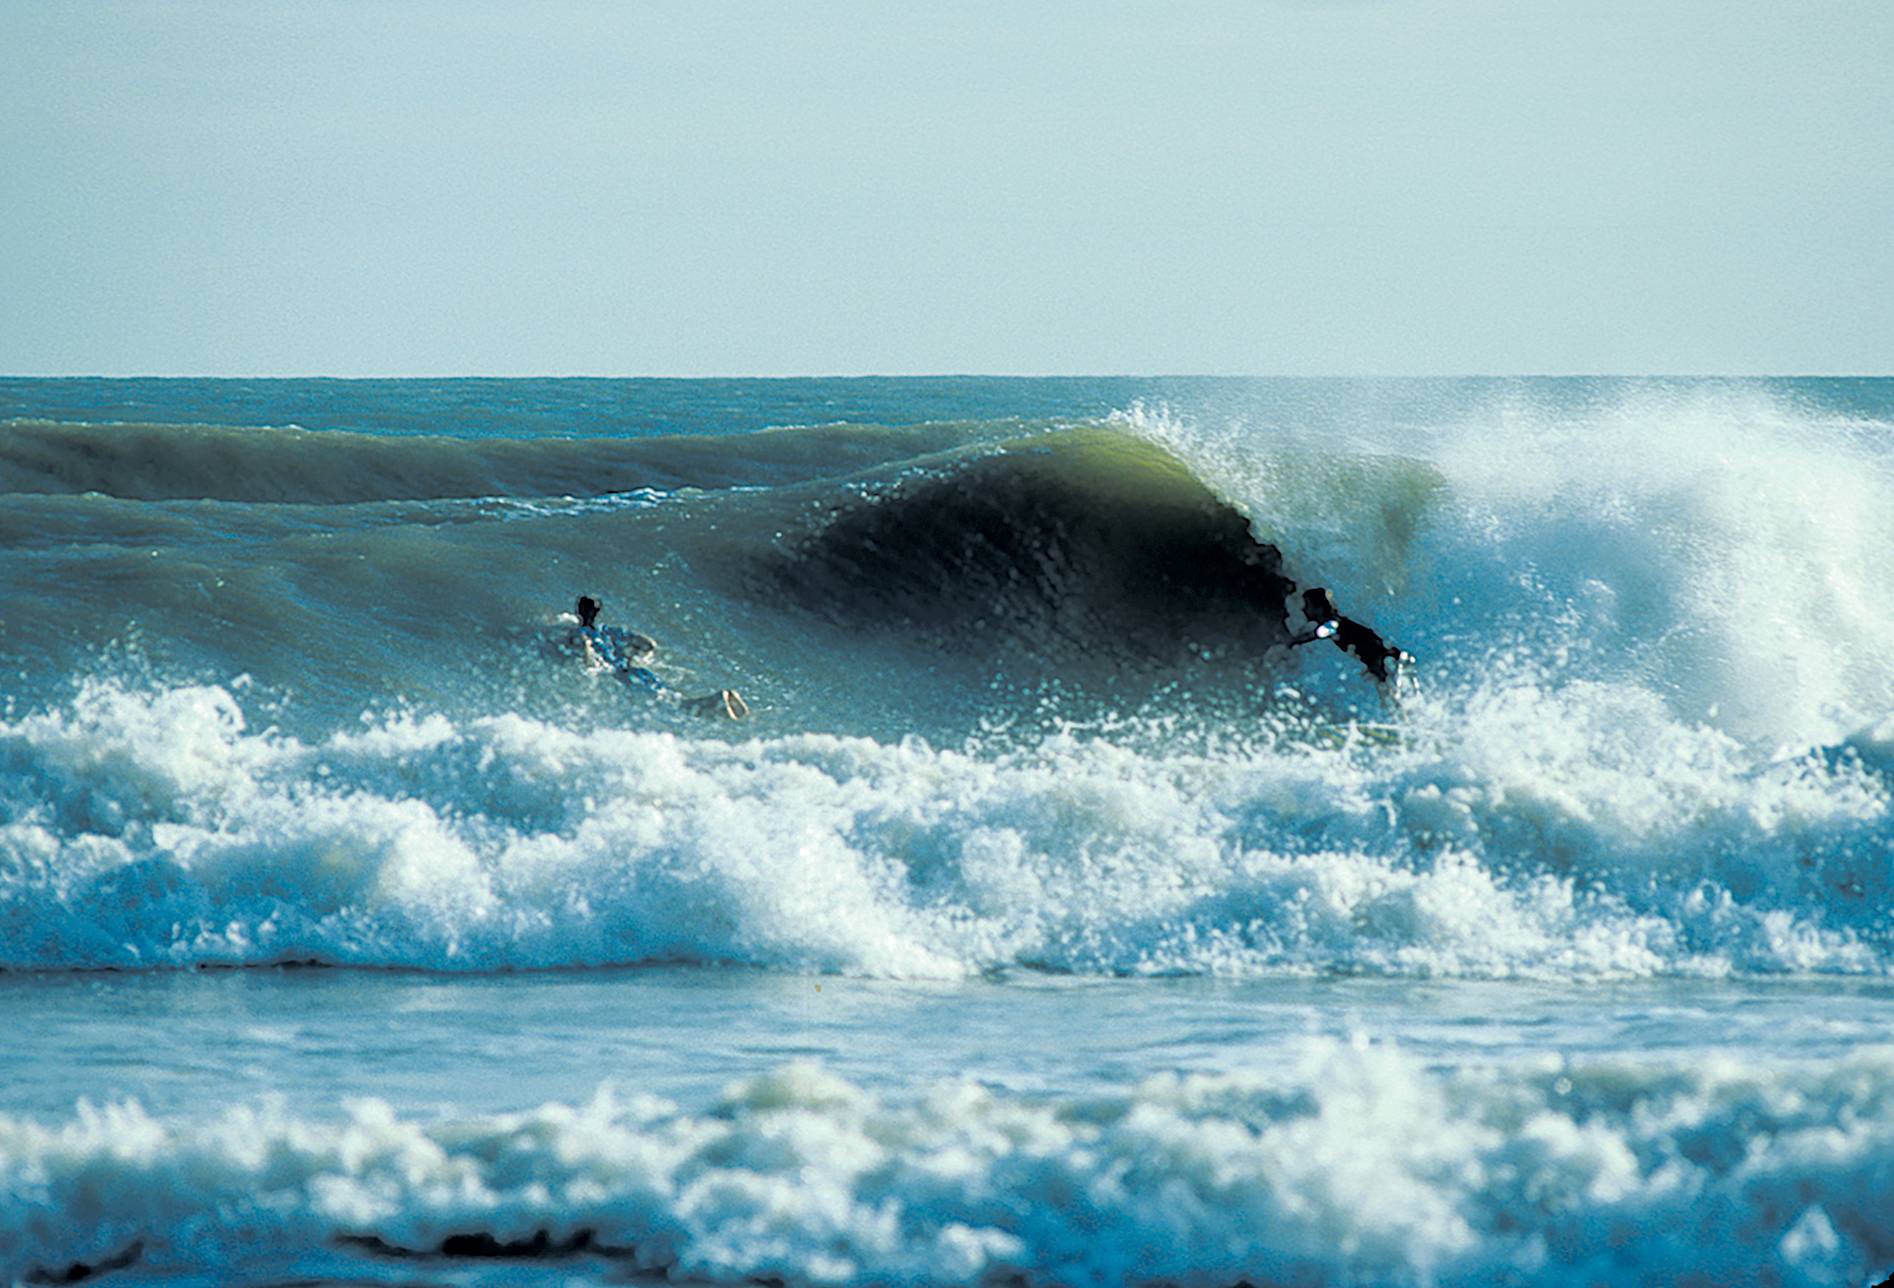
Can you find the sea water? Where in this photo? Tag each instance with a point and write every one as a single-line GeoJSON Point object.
{"type": "Point", "coordinates": [1047, 922]}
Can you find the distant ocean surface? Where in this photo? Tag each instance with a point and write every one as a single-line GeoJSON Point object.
{"type": "Point", "coordinates": [1046, 923]}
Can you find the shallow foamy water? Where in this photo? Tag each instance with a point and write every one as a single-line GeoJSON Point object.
{"type": "Point", "coordinates": [582, 1125]}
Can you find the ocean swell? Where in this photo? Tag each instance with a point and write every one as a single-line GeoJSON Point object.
{"type": "Point", "coordinates": [333, 467]}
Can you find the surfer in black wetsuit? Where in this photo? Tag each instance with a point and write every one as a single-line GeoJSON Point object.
{"type": "Point", "coordinates": [618, 650]}
{"type": "Point", "coordinates": [1380, 659]}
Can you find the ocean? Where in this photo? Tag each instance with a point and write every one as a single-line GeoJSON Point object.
{"type": "Point", "coordinates": [1047, 922]}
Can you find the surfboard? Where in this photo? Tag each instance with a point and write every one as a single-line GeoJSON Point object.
{"type": "Point", "coordinates": [724, 704]}
{"type": "Point", "coordinates": [1368, 733]}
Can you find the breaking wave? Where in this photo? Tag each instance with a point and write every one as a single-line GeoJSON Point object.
{"type": "Point", "coordinates": [1091, 548]}
{"type": "Point", "coordinates": [1656, 639]}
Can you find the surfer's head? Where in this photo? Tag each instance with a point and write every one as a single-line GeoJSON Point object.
{"type": "Point", "coordinates": [1317, 606]}
{"type": "Point", "coordinates": [587, 610]}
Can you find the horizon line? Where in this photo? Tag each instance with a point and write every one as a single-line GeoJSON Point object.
{"type": "Point", "coordinates": [970, 375]}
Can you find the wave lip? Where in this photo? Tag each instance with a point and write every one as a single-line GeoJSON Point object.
{"type": "Point", "coordinates": [1353, 1164]}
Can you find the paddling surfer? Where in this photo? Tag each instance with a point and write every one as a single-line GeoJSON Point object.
{"type": "Point", "coordinates": [611, 647]}
{"type": "Point", "coordinates": [620, 651]}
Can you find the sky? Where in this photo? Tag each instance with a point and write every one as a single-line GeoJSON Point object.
{"type": "Point", "coordinates": [1295, 187]}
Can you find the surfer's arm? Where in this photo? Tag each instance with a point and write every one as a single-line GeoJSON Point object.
{"type": "Point", "coordinates": [1320, 631]}
{"type": "Point", "coordinates": [584, 641]}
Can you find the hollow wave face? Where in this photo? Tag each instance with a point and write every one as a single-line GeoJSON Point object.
{"type": "Point", "coordinates": [1576, 834]}
{"type": "Point", "coordinates": [1353, 1164]}
{"type": "Point", "coordinates": [1079, 550]}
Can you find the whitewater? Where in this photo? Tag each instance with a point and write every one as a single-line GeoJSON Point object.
{"type": "Point", "coordinates": [1048, 922]}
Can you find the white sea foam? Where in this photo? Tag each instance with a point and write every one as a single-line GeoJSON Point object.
{"type": "Point", "coordinates": [1576, 831]}
{"type": "Point", "coordinates": [1353, 1164]}
{"type": "Point", "coordinates": [1714, 547]}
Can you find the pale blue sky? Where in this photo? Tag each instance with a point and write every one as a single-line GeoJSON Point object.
{"type": "Point", "coordinates": [1441, 186]}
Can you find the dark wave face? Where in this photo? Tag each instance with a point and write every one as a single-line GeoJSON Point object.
{"type": "Point", "coordinates": [1080, 551]}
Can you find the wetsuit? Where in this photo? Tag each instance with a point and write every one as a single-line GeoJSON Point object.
{"type": "Point", "coordinates": [1378, 657]}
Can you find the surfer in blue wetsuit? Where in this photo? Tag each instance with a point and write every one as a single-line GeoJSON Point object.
{"type": "Point", "coordinates": [1385, 662]}
{"type": "Point", "coordinates": [613, 648]}
{"type": "Point", "coordinates": [620, 651]}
